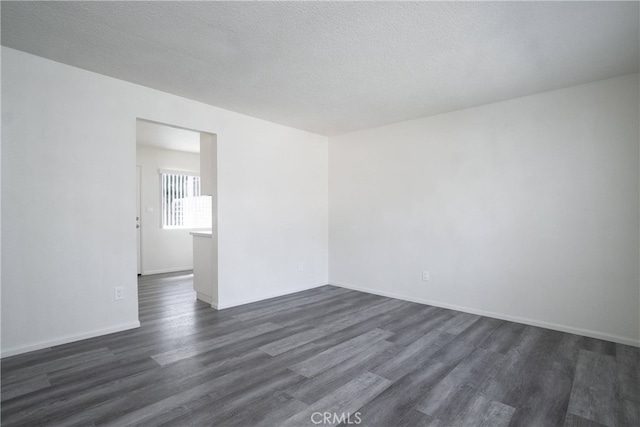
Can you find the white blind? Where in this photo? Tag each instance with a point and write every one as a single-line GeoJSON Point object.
{"type": "Point", "coordinates": [182, 204]}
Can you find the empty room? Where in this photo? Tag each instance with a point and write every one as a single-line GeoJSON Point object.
{"type": "Point", "coordinates": [320, 213]}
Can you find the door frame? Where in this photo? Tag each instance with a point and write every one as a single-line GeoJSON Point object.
{"type": "Point", "coordinates": [139, 217]}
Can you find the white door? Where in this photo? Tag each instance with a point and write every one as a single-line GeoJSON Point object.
{"type": "Point", "coordinates": [139, 251]}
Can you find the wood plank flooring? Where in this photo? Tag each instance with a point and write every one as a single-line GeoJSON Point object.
{"type": "Point", "coordinates": [316, 358]}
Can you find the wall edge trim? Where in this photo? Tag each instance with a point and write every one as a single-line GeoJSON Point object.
{"type": "Point", "coordinates": [222, 306]}
{"type": "Point", "coordinates": [68, 339]}
{"type": "Point", "coordinates": [166, 270]}
{"type": "Point", "coordinates": [523, 320]}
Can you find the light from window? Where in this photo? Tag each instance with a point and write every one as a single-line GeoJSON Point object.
{"type": "Point", "coordinates": [182, 204]}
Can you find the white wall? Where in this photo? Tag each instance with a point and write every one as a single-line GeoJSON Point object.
{"type": "Point", "coordinates": [1, 137]}
{"type": "Point", "coordinates": [64, 250]}
{"type": "Point", "coordinates": [526, 209]}
{"type": "Point", "coordinates": [163, 250]}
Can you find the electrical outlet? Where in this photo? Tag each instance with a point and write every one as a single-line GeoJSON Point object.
{"type": "Point", "coordinates": [301, 266]}
{"type": "Point", "coordinates": [425, 275]}
{"type": "Point", "coordinates": [118, 293]}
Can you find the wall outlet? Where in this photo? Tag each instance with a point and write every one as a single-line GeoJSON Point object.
{"type": "Point", "coordinates": [425, 275]}
{"type": "Point", "coordinates": [118, 293]}
{"type": "Point", "coordinates": [301, 266]}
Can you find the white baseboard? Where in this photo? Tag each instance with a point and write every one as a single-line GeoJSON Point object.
{"type": "Point", "coordinates": [516, 319]}
{"type": "Point", "coordinates": [204, 298]}
{"type": "Point", "coordinates": [67, 339]}
{"type": "Point", "coordinates": [166, 270]}
{"type": "Point", "coordinates": [222, 306]}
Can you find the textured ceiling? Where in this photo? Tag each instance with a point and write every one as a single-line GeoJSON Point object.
{"type": "Point", "coordinates": [335, 67]}
{"type": "Point", "coordinates": [167, 137]}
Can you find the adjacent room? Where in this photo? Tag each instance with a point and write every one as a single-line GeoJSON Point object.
{"type": "Point", "coordinates": [320, 213]}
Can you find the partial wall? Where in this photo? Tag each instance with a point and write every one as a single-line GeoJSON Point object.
{"type": "Point", "coordinates": [68, 208]}
{"type": "Point", "coordinates": [525, 209]}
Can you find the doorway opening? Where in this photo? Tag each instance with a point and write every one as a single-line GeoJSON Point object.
{"type": "Point", "coordinates": [176, 204]}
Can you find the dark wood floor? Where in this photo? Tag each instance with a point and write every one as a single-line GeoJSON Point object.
{"type": "Point", "coordinates": [380, 361]}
